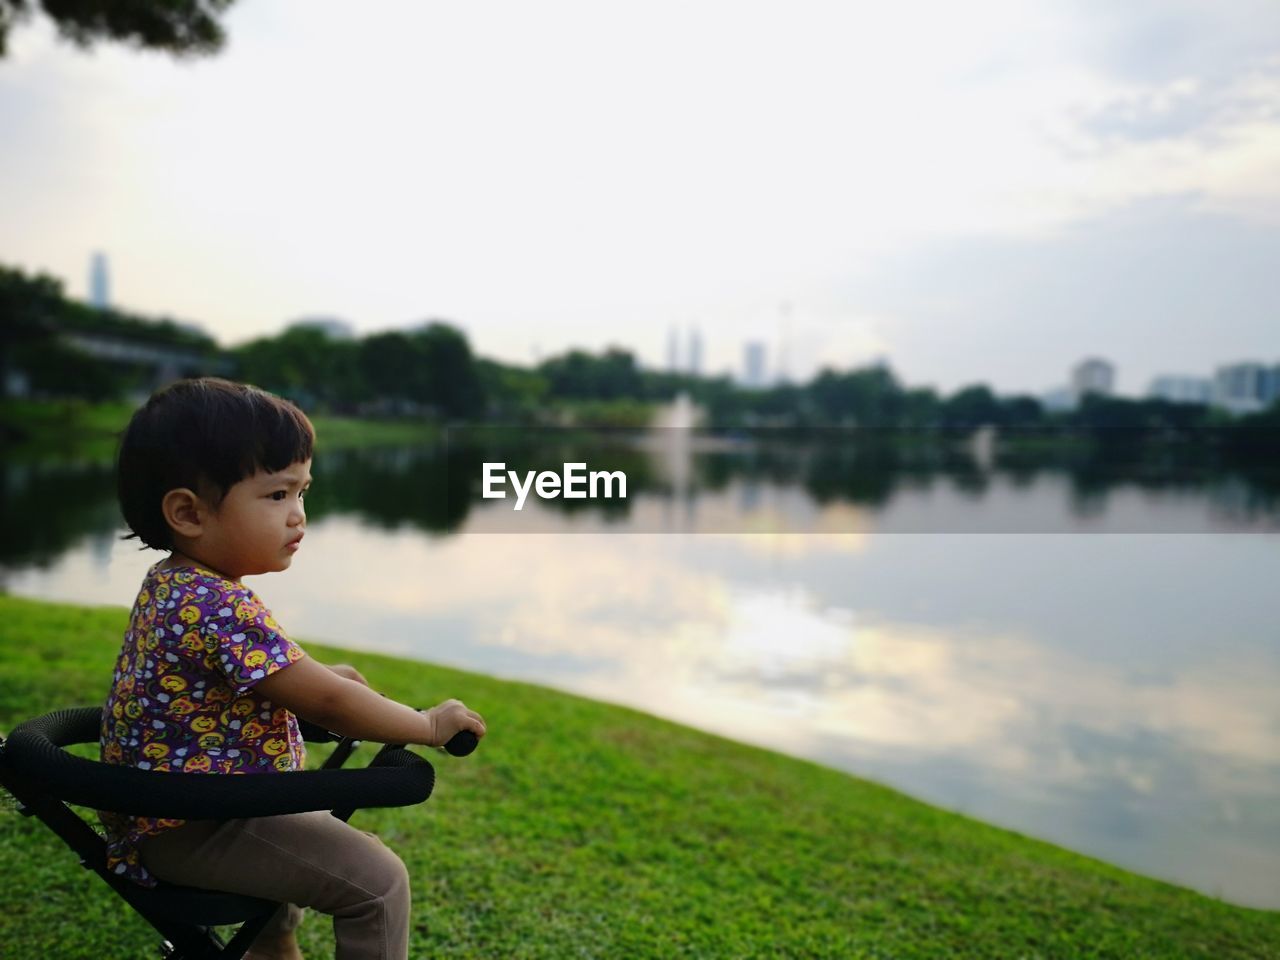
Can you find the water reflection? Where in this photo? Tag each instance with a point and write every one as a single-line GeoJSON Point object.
{"type": "Point", "coordinates": [679, 482]}
{"type": "Point", "coordinates": [1112, 694]}
{"type": "Point", "coordinates": [44, 509]}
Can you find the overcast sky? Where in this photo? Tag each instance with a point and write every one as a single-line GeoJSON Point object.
{"type": "Point", "coordinates": [986, 191]}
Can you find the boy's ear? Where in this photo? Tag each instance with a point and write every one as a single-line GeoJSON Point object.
{"type": "Point", "coordinates": [183, 511]}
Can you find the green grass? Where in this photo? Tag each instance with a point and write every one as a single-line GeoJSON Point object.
{"type": "Point", "coordinates": [580, 829]}
{"type": "Point", "coordinates": [57, 429]}
{"type": "Point", "coordinates": [49, 429]}
{"type": "Point", "coordinates": [334, 433]}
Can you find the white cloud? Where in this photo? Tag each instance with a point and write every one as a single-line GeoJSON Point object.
{"type": "Point", "coordinates": [601, 172]}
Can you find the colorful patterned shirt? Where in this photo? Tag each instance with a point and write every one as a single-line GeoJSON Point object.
{"type": "Point", "coordinates": [182, 697]}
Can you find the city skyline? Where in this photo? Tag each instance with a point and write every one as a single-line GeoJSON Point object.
{"type": "Point", "coordinates": [978, 195]}
{"type": "Point", "coordinates": [1092, 373]}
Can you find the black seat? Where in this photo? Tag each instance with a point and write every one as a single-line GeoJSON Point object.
{"type": "Point", "coordinates": [45, 778]}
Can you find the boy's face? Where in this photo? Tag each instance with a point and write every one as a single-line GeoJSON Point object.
{"type": "Point", "coordinates": [259, 524]}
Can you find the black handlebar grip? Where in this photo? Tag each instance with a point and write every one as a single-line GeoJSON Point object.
{"type": "Point", "coordinates": [461, 743]}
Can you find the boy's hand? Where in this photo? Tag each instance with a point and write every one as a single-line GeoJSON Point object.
{"type": "Point", "coordinates": [348, 672]}
{"type": "Point", "coordinates": [451, 717]}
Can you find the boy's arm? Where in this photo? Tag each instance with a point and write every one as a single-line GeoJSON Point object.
{"type": "Point", "coordinates": [347, 707]}
{"type": "Point", "coordinates": [346, 671]}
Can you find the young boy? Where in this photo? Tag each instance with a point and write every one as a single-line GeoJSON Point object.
{"type": "Point", "coordinates": [215, 473]}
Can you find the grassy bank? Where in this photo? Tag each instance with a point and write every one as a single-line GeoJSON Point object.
{"type": "Point", "coordinates": [585, 830]}
{"type": "Point", "coordinates": [48, 429]}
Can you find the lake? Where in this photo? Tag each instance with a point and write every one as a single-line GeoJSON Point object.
{"type": "Point", "coordinates": [1083, 654]}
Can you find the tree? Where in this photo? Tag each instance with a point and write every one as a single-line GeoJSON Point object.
{"type": "Point", "coordinates": [869, 396]}
{"type": "Point", "coordinates": [28, 308]}
{"type": "Point", "coordinates": [432, 366]}
{"type": "Point", "coordinates": [447, 370]}
{"type": "Point", "coordinates": [920, 407]}
{"type": "Point", "coordinates": [58, 370]}
{"type": "Point", "coordinates": [389, 367]}
{"type": "Point", "coordinates": [178, 27]}
{"type": "Point", "coordinates": [970, 408]}
{"type": "Point", "coordinates": [511, 392]}
{"type": "Point", "coordinates": [1021, 411]}
{"type": "Point", "coordinates": [725, 404]}
{"type": "Point", "coordinates": [577, 375]}
{"type": "Point", "coordinates": [306, 366]}
{"type": "Point", "coordinates": [1254, 440]}
{"type": "Point", "coordinates": [1112, 417]}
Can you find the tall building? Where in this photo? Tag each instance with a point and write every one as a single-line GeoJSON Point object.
{"type": "Point", "coordinates": [1093, 375]}
{"type": "Point", "coordinates": [99, 282]}
{"type": "Point", "coordinates": [695, 352]}
{"type": "Point", "coordinates": [753, 364]}
{"type": "Point", "coordinates": [1241, 387]}
{"type": "Point", "coordinates": [673, 351]}
{"type": "Point", "coordinates": [1271, 386]}
{"type": "Point", "coordinates": [1059, 400]}
{"type": "Point", "coordinates": [1181, 389]}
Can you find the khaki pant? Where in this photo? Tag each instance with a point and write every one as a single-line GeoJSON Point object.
{"type": "Point", "coordinates": [303, 860]}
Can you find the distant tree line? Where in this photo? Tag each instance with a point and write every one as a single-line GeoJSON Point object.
{"type": "Point", "coordinates": [38, 325]}
{"type": "Point", "coordinates": [431, 370]}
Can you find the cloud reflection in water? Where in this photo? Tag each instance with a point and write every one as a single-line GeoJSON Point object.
{"type": "Point", "coordinates": [1159, 752]}
{"type": "Point", "coordinates": [1112, 694]}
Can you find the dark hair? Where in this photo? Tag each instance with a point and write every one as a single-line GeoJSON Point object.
{"type": "Point", "coordinates": [207, 435]}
